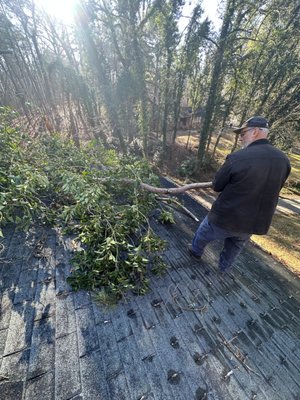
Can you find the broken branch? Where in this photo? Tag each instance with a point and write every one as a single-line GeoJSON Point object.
{"type": "Point", "coordinates": [155, 189]}
{"type": "Point", "coordinates": [172, 200]}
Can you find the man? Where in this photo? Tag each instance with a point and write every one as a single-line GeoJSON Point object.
{"type": "Point", "coordinates": [249, 183]}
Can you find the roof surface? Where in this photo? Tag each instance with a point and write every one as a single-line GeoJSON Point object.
{"type": "Point", "coordinates": [195, 335]}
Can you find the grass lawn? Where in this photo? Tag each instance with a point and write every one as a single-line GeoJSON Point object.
{"type": "Point", "coordinates": [289, 190]}
{"type": "Point", "coordinates": [283, 241]}
{"type": "Point", "coordinates": [283, 238]}
{"type": "Point", "coordinates": [295, 161]}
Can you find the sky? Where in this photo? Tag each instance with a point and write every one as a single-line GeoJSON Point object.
{"type": "Point", "coordinates": [210, 11]}
{"type": "Point", "coordinates": [62, 10]}
{"type": "Point", "coordinates": [59, 9]}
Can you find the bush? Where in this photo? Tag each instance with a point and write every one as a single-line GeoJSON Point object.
{"type": "Point", "coordinates": [187, 167]}
{"type": "Point", "coordinates": [51, 181]}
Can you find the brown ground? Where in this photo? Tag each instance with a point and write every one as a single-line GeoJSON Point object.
{"type": "Point", "coordinates": [180, 153]}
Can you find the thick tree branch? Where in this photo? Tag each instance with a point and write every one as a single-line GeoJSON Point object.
{"type": "Point", "coordinates": [155, 189]}
{"type": "Point", "coordinates": [179, 189]}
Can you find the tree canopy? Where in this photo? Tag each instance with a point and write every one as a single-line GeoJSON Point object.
{"type": "Point", "coordinates": [123, 69]}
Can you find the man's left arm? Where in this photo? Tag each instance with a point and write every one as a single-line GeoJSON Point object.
{"type": "Point", "coordinates": [222, 176]}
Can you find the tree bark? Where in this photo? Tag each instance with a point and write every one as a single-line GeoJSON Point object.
{"type": "Point", "coordinates": [154, 189]}
{"type": "Point", "coordinates": [215, 81]}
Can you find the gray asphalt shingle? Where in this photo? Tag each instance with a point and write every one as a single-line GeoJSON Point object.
{"type": "Point", "coordinates": [193, 336]}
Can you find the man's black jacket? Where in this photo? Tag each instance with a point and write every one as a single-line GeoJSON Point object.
{"type": "Point", "coordinates": [249, 181]}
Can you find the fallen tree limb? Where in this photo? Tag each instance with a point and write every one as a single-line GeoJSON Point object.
{"type": "Point", "coordinates": [179, 189]}
{"type": "Point", "coordinates": [155, 189]}
{"type": "Point", "coordinates": [172, 200]}
{"type": "Point", "coordinates": [158, 190]}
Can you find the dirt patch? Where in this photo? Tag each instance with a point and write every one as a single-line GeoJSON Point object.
{"type": "Point", "coordinates": [182, 164]}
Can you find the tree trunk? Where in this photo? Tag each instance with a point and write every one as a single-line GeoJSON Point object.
{"type": "Point", "coordinates": [166, 103]}
{"type": "Point", "coordinates": [73, 129]}
{"type": "Point", "coordinates": [101, 74]}
{"type": "Point", "coordinates": [215, 81]}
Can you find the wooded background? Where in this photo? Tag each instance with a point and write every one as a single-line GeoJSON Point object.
{"type": "Point", "coordinates": [122, 70]}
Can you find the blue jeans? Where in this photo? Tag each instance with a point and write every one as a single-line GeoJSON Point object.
{"type": "Point", "coordinates": [233, 242]}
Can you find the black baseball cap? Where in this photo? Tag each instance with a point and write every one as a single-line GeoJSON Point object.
{"type": "Point", "coordinates": [253, 122]}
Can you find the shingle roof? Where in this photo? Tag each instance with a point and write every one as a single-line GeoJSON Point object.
{"type": "Point", "coordinates": [193, 336]}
